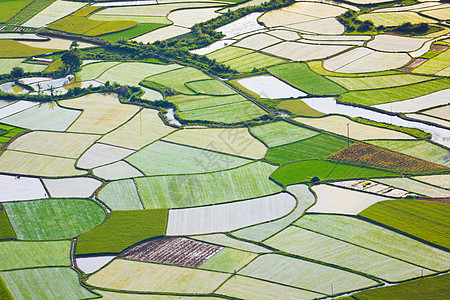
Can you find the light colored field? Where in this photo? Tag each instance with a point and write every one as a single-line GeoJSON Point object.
{"type": "Point", "coordinates": [276, 18]}
{"type": "Point", "coordinates": [220, 44]}
{"type": "Point", "coordinates": [337, 62]}
{"type": "Point", "coordinates": [280, 133]}
{"type": "Point", "coordinates": [314, 9]}
{"type": "Point", "coordinates": [140, 19]}
{"type": "Point", "coordinates": [338, 125]}
{"type": "Point", "coordinates": [55, 11]}
{"type": "Point", "coordinates": [248, 181]}
{"type": "Point", "coordinates": [176, 79]}
{"type": "Point", "coordinates": [7, 64]}
{"type": "Point", "coordinates": [253, 60]}
{"type": "Point", "coordinates": [162, 158]}
{"type": "Point", "coordinates": [19, 255]}
{"type": "Point", "coordinates": [124, 296]}
{"type": "Point", "coordinates": [117, 170]}
{"type": "Point", "coordinates": [376, 61]}
{"type": "Point", "coordinates": [283, 34]}
{"type": "Point", "coordinates": [392, 43]}
{"type": "Point", "coordinates": [16, 107]}
{"type": "Point", "coordinates": [250, 288]}
{"type": "Point", "coordinates": [230, 216]}
{"type": "Point", "coordinates": [261, 232]}
{"type": "Point", "coordinates": [417, 148]}
{"type": "Point", "coordinates": [301, 51]}
{"type": "Point", "coordinates": [101, 154]}
{"type": "Point", "coordinates": [416, 7]}
{"type": "Point", "coordinates": [131, 73]}
{"type": "Point", "coordinates": [419, 103]}
{"type": "Point", "coordinates": [56, 43]}
{"type": "Point", "coordinates": [303, 274]}
{"type": "Point", "coordinates": [429, 119]}
{"type": "Point", "coordinates": [322, 26]}
{"type": "Point", "coordinates": [18, 36]}
{"type": "Point", "coordinates": [440, 14]}
{"type": "Point", "coordinates": [235, 141]}
{"type": "Point", "coordinates": [79, 187]}
{"type": "Point", "coordinates": [440, 180]}
{"type": "Point", "coordinates": [336, 38]}
{"type": "Point", "coordinates": [377, 82]}
{"type": "Point", "coordinates": [101, 113]}
{"type": "Point", "coordinates": [224, 240]}
{"type": "Point", "coordinates": [394, 18]}
{"type": "Point", "coordinates": [62, 144]}
{"type": "Point", "coordinates": [229, 113]}
{"type": "Point", "coordinates": [92, 264]}
{"type": "Point", "coordinates": [14, 162]}
{"type": "Point", "coordinates": [270, 87]}
{"type": "Point", "coordinates": [228, 260]}
{"type": "Point", "coordinates": [228, 53]}
{"type": "Point", "coordinates": [45, 283]}
{"type": "Point", "coordinates": [415, 187]}
{"type": "Point", "coordinates": [243, 25]}
{"type": "Point", "coordinates": [127, 275]}
{"type": "Point", "coordinates": [439, 112]}
{"type": "Point", "coordinates": [161, 34]}
{"type": "Point", "coordinates": [46, 116]}
{"type": "Point", "coordinates": [188, 17]}
{"type": "Point", "coordinates": [376, 238]}
{"type": "Point", "coordinates": [121, 195]}
{"type": "Point", "coordinates": [258, 41]}
{"type": "Point", "coordinates": [142, 129]}
{"type": "Point", "coordinates": [151, 10]}
{"type": "Point", "coordinates": [331, 199]}
{"type": "Point", "coordinates": [210, 87]}
{"type": "Point", "coordinates": [305, 243]}
{"type": "Point", "coordinates": [23, 188]}
{"type": "Point", "coordinates": [94, 70]}
{"type": "Point", "coordinates": [436, 64]}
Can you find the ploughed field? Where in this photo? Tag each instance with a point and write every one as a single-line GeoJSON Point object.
{"type": "Point", "coordinates": [286, 150]}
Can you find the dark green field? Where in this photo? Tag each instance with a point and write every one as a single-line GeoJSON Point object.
{"type": "Point", "coordinates": [121, 230]}
{"type": "Point", "coordinates": [10, 8]}
{"type": "Point", "coordinates": [6, 230]}
{"type": "Point", "coordinates": [423, 219]}
{"type": "Point", "coordinates": [4, 292]}
{"type": "Point", "coordinates": [318, 146]}
{"type": "Point", "coordinates": [301, 76]}
{"type": "Point", "coordinates": [7, 132]}
{"type": "Point", "coordinates": [304, 171]}
{"type": "Point", "coordinates": [133, 32]}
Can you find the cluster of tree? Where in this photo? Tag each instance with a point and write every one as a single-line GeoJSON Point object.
{"type": "Point", "coordinates": [350, 21]}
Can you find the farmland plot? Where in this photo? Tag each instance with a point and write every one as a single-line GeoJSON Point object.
{"type": "Point", "coordinates": [188, 17]}
{"type": "Point", "coordinates": [374, 62]}
{"type": "Point", "coordinates": [430, 119]}
{"type": "Point", "coordinates": [126, 275]}
{"type": "Point", "coordinates": [435, 64]}
{"type": "Point", "coordinates": [6, 65]}
{"type": "Point", "coordinates": [101, 154]}
{"type": "Point", "coordinates": [376, 238]}
{"type": "Point", "coordinates": [92, 264]}
{"type": "Point", "coordinates": [55, 11]}
{"type": "Point", "coordinates": [6, 229]}
{"type": "Point", "coordinates": [210, 87]}
{"type": "Point", "coordinates": [19, 255]}
{"type": "Point", "coordinates": [416, 187]}
{"type": "Point", "coordinates": [45, 283]}
{"type": "Point", "coordinates": [229, 216]}
{"type": "Point", "coordinates": [248, 62]}
{"type": "Point", "coordinates": [162, 34]}
{"type": "Point", "coordinates": [236, 141]}
{"type": "Point", "coordinates": [193, 190]}
{"type": "Point", "coordinates": [121, 195]}
{"type": "Point", "coordinates": [439, 112]}
{"type": "Point", "coordinates": [71, 187]}
{"type": "Point", "coordinates": [224, 240]}
{"type": "Point", "coordinates": [439, 180]}
{"type": "Point", "coordinates": [270, 87]}
{"type": "Point", "coordinates": [319, 10]}
{"type": "Point", "coordinates": [162, 158]}
{"type": "Point", "coordinates": [312, 245]}
{"type": "Point", "coordinates": [52, 219]}
{"type": "Point", "coordinates": [337, 200]}
{"type": "Point", "coordinates": [132, 296]}
{"type": "Point", "coordinates": [391, 43]}
{"type": "Point", "coordinates": [243, 25]}
{"type": "Point", "coordinates": [11, 48]}
{"type": "Point", "coordinates": [258, 41]}
{"type": "Point", "coordinates": [228, 53]}
{"type": "Point", "coordinates": [280, 133]}
{"type": "Point", "coordinates": [23, 188]}
{"type": "Point", "coordinates": [378, 82]}
{"type": "Point", "coordinates": [228, 260]}
{"type": "Point", "coordinates": [45, 116]}
{"type": "Point", "coordinates": [55, 43]}
{"type": "Point", "coordinates": [394, 18]}
{"type": "Point", "coordinates": [94, 70]}
{"type": "Point", "coordinates": [190, 102]}
{"type": "Point", "coordinates": [286, 35]}
{"type": "Point", "coordinates": [303, 274]}
{"type": "Point", "coordinates": [299, 51]}
{"type": "Point", "coordinates": [117, 170]}
{"type": "Point", "coordinates": [177, 79]}
{"type": "Point", "coordinates": [277, 18]}
{"type": "Point", "coordinates": [178, 251]}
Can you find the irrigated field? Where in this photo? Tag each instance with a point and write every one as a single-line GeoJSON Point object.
{"type": "Point", "coordinates": [280, 133]}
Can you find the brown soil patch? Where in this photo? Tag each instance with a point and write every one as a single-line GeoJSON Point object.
{"type": "Point", "coordinates": [415, 63]}
{"type": "Point", "coordinates": [440, 200]}
{"type": "Point", "coordinates": [174, 251]}
{"type": "Point", "coordinates": [439, 47]}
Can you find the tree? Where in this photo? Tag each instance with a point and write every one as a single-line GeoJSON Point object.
{"type": "Point", "coordinates": [74, 45]}
{"type": "Point", "coordinates": [16, 73]}
{"type": "Point", "coordinates": [71, 60]}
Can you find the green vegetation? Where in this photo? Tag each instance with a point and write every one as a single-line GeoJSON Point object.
{"type": "Point", "coordinates": [228, 260]}
{"type": "Point", "coordinates": [11, 48]}
{"type": "Point", "coordinates": [253, 62]}
{"type": "Point", "coordinates": [6, 229]}
{"type": "Point", "coordinates": [176, 79]}
{"type": "Point", "coordinates": [434, 64]}
{"type": "Point", "coordinates": [121, 230]}
{"type": "Point", "coordinates": [45, 283]}
{"type": "Point", "coordinates": [302, 77]}
{"type": "Point", "coordinates": [378, 82]}
{"type": "Point", "coordinates": [210, 87]}
{"type": "Point", "coordinates": [26, 13]}
{"type": "Point", "coordinates": [228, 53]}
{"type": "Point", "coordinates": [298, 107]}
{"type": "Point", "coordinates": [436, 287]}
{"type": "Point", "coordinates": [190, 102]}
{"type": "Point", "coordinates": [133, 32]}
{"type": "Point", "coordinates": [53, 219]}
{"type": "Point", "coordinates": [10, 8]}
{"type": "Point", "coordinates": [7, 132]}
{"type": "Point", "coordinates": [373, 97]}
{"type": "Point", "coordinates": [280, 133]}
{"type": "Point", "coordinates": [304, 171]}
{"type": "Point", "coordinates": [423, 219]}
{"type": "Point", "coordinates": [417, 133]}
{"type": "Point", "coordinates": [4, 292]}
{"type": "Point", "coordinates": [318, 146]}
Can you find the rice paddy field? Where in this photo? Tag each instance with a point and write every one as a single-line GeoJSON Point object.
{"type": "Point", "coordinates": [278, 150]}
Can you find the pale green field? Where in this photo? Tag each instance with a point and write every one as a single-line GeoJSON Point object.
{"type": "Point", "coordinates": [162, 158]}
{"type": "Point", "coordinates": [249, 181]}
{"type": "Point", "coordinates": [228, 53]}
{"type": "Point", "coordinates": [18, 255]}
{"type": "Point", "coordinates": [376, 238]}
{"type": "Point", "coordinates": [53, 219]}
{"type": "Point", "coordinates": [416, 187]}
{"type": "Point", "coordinates": [436, 64]}
{"type": "Point", "coordinates": [188, 102]}
{"type": "Point", "coordinates": [228, 260]}
{"type": "Point", "coordinates": [136, 18]}
{"type": "Point", "coordinates": [312, 245]}
{"type": "Point", "coordinates": [378, 82]}
{"type": "Point", "coordinates": [177, 79]}
{"type": "Point", "coordinates": [45, 283]}
{"type": "Point", "coordinates": [121, 195]}
{"type": "Point", "coordinates": [250, 61]}
{"type": "Point", "coordinates": [394, 18]}
{"type": "Point", "coordinates": [280, 133]}
{"type": "Point", "coordinates": [6, 65]}
{"type": "Point", "coordinates": [304, 274]}
{"type": "Point", "coordinates": [224, 240]}
{"type": "Point", "coordinates": [117, 170]}
{"type": "Point", "coordinates": [94, 70]}
{"type": "Point", "coordinates": [210, 87]}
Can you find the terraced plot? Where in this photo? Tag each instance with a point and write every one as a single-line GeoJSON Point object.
{"type": "Point", "coordinates": [55, 11]}
{"type": "Point", "coordinates": [11, 48]}
{"type": "Point", "coordinates": [178, 78]}
{"type": "Point", "coordinates": [6, 66]}
{"type": "Point", "coordinates": [279, 133]}
{"type": "Point", "coordinates": [437, 65]}
{"type": "Point", "coordinates": [8, 132]}
{"type": "Point", "coordinates": [191, 102]}
{"type": "Point", "coordinates": [394, 18]}
{"type": "Point", "coordinates": [210, 87]}
{"type": "Point", "coordinates": [228, 260]}
{"type": "Point", "coordinates": [378, 82]}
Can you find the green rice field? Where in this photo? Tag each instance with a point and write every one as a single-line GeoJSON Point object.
{"type": "Point", "coordinates": [280, 133]}
{"type": "Point", "coordinates": [11, 48]}
{"type": "Point", "coordinates": [6, 229]}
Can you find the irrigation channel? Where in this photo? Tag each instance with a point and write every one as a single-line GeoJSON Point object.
{"type": "Point", "coordinates": [440, 135]}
